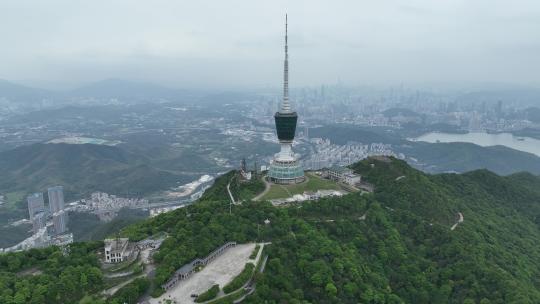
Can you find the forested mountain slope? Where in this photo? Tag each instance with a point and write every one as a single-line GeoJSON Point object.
{"type": "Point", "coordinates": [393, 246]}
{"type": "Point", "coordinates": [81, 169]}
{"type": "Point", "coordinates": [463, 157]}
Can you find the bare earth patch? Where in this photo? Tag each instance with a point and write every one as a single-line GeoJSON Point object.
{"type": "Point", "coordinates": [34, 271]}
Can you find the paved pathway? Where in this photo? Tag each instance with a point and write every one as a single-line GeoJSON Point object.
{"type": "Point", "coordinates": [119, 274]}
{"type": "Point", "coordinates": [250, 285]}
{"type": "Point", "coordinates": [230, 193]}
{"type": "Point", "coordinates": [220, 271]}
{"type": "Point", "coordinates": [460, 220]}
{"type": "Point", "coordinates": [149, 269]}
{"type": "Point", "coordinates": [114, 289]}
{"type": "Point", "coordinates": [266, 189]}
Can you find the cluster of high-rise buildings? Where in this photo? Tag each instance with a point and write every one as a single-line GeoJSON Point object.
{"type": "Point", "coordinates": [39, 215]}
{"type": "Point", "coordinates": [49, 225]}
{"type": "Point", "coordinates": [327, 154]}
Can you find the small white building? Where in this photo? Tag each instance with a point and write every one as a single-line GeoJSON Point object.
{"type": "Point", "coordinates": [351, 178]}
{"type": "Point", "coordinates": [117, 250]}
{"type": "Point", "coordinates": [336, 172]}
{"type": "Point", "coordinates": [343, 174]}
{"type": "Point", "coordinates": [246, 175]}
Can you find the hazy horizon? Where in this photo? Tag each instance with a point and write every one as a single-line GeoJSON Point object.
{"type": "Point", "coordinates": [240, 43]}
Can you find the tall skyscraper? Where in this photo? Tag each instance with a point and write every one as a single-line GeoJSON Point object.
{"type": "Point", "coordinates": [35, 204]}
{"type": "Point", "coordinates": [285, 167]}
{"type": "Point", "coordinates": [498, 109]}
{"type": "Point", "coordinates": [39, 221]}
{"type": "Point", "coordinates": [56, 205]}
{"type": "Point", "coordinates": [60, 221]}
{"type": "Point", "coordinates": [56, 198]}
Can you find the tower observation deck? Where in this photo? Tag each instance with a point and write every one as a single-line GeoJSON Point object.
{"type": "Point", "coordinates": [285, 167]}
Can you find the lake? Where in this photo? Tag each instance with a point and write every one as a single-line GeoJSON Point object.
{"type": "Point", "coordinates": [525, 144]}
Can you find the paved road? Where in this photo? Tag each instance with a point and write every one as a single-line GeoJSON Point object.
{"type": "Point", "coordinates": [149, 271]}
{"type": "Point", "coordinates": [267, 185]}
{"type": "Point", "coordinates": [251, 286]}
{"type": "Point", "coordinates": [112, 290]}
{"type": "Point", "coordinates": [119, 274]}
{"type": "Point", "coordinates": [460, 220]}
{"type": "Point", "coordinates": [230, 193]}
{"type": "Point", "coordinates": [266, 188]}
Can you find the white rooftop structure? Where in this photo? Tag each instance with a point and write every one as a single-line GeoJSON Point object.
{"type": "Point", "coordinates": [117, 250]}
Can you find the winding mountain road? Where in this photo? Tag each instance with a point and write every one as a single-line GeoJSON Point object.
{"type": "Point", "coordinates": [266, 189]}
{"type": "Point", "coordinates": [460, 220]}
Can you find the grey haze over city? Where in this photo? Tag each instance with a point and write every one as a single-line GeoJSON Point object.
{"type": "Point", "coordinates": [64, 44]}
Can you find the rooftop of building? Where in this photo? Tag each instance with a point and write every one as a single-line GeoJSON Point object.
{"type": "Point", "coordinates": [340, 169]}
{"type": "Point", "coordinates": [116, 244]}
{"type": "Point", "coordinates": [35, 195]}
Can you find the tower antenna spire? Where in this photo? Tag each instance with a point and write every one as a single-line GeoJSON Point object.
{"type": "Point", "coordinates": [285, 105]}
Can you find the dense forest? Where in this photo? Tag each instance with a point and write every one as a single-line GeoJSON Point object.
{"type": "Point", "coordinates": [392, 246]}
{"type": "Point", "coordinates": [50, 275]}
{"type": "Point", "coordinates": [395, 245]}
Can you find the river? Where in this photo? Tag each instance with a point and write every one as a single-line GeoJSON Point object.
{"type": "Point", "coordinates": [525, 144]}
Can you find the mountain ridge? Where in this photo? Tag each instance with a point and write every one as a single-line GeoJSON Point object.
{"type": "Point", "coordinates": [82, 169]}
{"type": "Point", "coordinates": [403, 243]}
{"type": "Point", "coordinates": [393, 246]}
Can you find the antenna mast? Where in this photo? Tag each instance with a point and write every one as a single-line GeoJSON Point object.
{"type": "Point", "coordinates": [285, 105]}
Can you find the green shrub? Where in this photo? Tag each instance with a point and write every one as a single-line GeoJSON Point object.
{"type": "Point", "coordinates": [255, 251]}
{"type": "Point", "coordinates": [241, 279]}
{"type": "Point", "coordinates": [229, 299]}
{"type": "Point", "coordinates": [157, 292]}
{"type": "Point", "coordinates": [209, 294]}
{"type": "Point", "coordinates": [131, 292]}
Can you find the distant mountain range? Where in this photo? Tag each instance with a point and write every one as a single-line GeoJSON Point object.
{"type": "Point", "coordinates": [20, 93]}
{"type": "Point", "coordinates": [129, 90]}
{"type": "Point", "coordinates": [111, 90]}
{"type": "Point", "coordinates": [463, 157]}
{"type": "Point", "coordinates": [82, 169]}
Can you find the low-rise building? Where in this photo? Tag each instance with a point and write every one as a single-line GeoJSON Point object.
{"type": "Point", "coordinates": [187, 270]}
{"type": "Point", "coordinates": [117, 250]}
{"type": "Point", "coordinates": [337, 172]}
{"type": "Point", "coordinates": [344, 175]}
{"type": "Point", "coordinates": [351, 179]}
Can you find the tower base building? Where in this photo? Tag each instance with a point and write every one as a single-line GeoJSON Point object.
{"type": "Point", "coordinates": [285, 168]}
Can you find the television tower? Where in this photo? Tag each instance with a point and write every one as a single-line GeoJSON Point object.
{"type": "Point", "coordinates": [285, 167]}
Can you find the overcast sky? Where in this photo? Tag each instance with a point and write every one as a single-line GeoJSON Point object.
{"type": "Point", "coordinates": [240, 43]}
